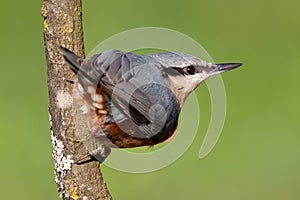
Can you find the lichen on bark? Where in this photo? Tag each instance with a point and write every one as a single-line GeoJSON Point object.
{"type": "Point", "coordinates": [63, 26]}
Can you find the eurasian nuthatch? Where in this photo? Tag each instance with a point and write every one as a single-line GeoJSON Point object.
{"type": "Point", "coordinates": [134, 100]}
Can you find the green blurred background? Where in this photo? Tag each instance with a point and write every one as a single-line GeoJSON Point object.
{"type": "Point", "coordinates": [257, 156]}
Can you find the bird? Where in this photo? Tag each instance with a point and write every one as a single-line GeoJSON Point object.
{"type": "Point", "coordinates": [131, 100]}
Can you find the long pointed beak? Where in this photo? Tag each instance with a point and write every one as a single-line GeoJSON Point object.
{"type": "Point", "coordinates": [224, 67]}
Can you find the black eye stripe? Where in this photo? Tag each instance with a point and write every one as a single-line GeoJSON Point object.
{"type": "Point", "coordinates": [188, 70]}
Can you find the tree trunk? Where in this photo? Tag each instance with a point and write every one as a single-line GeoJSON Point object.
{"type": "Point", "coordinates": [63, 26]}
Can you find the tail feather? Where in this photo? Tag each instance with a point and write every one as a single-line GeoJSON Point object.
{"type": "Point", "coordinates": [74, 63]}
{"type": "Point", "coordinates": [71, 58]}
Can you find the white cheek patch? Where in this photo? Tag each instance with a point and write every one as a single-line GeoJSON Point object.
{"type": "Point", "coordinates": [198, 77]}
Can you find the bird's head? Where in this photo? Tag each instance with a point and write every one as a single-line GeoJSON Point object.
{"type": "Point", "coordinates": [186, 72]}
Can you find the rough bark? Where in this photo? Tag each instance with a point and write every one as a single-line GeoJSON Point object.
{"type": "Point", "coordinates": [63, 26]}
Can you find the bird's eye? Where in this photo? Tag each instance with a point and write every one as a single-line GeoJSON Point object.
{"type": "Point", "coordinates": [190, 70]}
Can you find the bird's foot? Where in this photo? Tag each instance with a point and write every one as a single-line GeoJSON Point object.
{"type": "Point", "coordinates": [99, 154]}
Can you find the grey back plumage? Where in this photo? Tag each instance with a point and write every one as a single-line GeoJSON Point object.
{"type": "Point", "coordinates": [137, 91]}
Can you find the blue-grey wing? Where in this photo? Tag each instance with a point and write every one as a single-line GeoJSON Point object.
{"type": "Point", "coordinates": [112, 65]}
{"type": "Point", "coordinates": [113, 71]}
